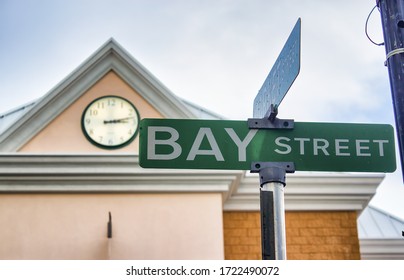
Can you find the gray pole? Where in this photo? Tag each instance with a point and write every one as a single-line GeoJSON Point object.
{"type": "Point", "coordinates": [392, 14]}
{"type": "Point", "coordinates": [272, 207]}
{"type": "Point", "coordinates": [273, 220]}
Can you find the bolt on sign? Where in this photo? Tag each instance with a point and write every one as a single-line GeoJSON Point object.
{"type": "Point", "coordinates": [223, 144]}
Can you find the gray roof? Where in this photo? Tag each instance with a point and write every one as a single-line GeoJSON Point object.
{"type": "Point", "coordinates": [10, 117]}
{"type": "Point", "coordinates": [202, 113]}
{"type": "Point", "coordinates": [374, 223]}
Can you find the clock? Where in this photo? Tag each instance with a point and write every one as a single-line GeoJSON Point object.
{"type": "Point", "coordinates": [110, 122]}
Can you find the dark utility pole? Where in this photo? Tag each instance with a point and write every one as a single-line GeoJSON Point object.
{"type": "Point", "coordinates": [392, 14]}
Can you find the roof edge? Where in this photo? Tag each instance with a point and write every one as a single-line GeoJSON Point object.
{"type": "Point", "coordinates": [110, 56]}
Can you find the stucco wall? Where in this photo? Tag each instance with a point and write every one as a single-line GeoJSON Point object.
{"type": "Point", "coordinates": [145, 226]}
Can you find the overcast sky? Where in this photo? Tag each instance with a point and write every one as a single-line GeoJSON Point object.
{"type": "Point", "coordinates": [215, 53]}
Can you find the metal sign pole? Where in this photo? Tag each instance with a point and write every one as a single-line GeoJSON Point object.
{"type": "Point", "coordinates": [392, 14]}
{"type": "Point", "coordinates": [272, 202]}
{"type": "Point", "coordinates": [273, 221]}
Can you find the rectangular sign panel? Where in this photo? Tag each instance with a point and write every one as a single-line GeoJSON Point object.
{"type": "Point", "coordinates": [281, 76]}
{"type": "Point", "coordinates": [218, 144]}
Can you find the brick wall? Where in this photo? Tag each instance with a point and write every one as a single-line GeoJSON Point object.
{"type": "Point", "coordinates": [242, 235]}
{"type": "Point", "coordinates": [309, 235]}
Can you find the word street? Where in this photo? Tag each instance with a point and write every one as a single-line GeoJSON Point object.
{"type": "Point", "coordinates": [342, 147]}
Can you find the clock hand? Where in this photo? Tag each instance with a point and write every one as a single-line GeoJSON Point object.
{"type": "Point", "coordinates": [115, 121]}
{"type": "Point", "coordinates": [123, 120]}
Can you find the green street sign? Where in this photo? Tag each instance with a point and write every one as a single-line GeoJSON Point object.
{"type": "Point", "coordinates": [218, 144]}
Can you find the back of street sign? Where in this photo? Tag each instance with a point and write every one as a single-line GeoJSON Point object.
{"type": "Point", "coordinates": [281, 76]}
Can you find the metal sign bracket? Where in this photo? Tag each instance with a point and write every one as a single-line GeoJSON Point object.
{"type": "Point", "coordinates": [272, 171]}
{"type": "Point", "coordinates": [271, 121]}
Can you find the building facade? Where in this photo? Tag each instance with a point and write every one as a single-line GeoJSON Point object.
{"type": "Point", "coordinates": [58, 186]}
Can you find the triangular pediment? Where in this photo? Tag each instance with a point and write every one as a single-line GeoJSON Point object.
{"type": "Point", "coordinates": [110, 58]}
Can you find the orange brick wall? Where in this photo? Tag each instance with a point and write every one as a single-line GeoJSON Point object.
{"type": "Point", "coordinates": [309, 235]}
{"type": "Point", "coordinates": [242, 235]}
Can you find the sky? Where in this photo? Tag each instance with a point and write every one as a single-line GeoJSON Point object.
{"type": "Point", "coordinates": [215, 53]}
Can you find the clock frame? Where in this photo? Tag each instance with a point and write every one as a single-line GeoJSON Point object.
{"type": "Point", "coordinates": [110, 122]}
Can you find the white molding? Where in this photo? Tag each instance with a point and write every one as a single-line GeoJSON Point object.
{"type": "Point", "coordinates": [122, 173]}
{"type": "Point", "coordinates": [382, 249]}
{"type": "Point", "coordinates": [312, 192]}
{"type": "Point", "coordinates": [105, 173]}
{"type": "Point", "coordinates": [110, 57]}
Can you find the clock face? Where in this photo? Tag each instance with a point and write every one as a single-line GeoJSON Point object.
{"type": "Point", "coordinates": [110, 122]}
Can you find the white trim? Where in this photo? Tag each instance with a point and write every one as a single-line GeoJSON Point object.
{"type": "Point", "coordinates": [105, 173]}
{"type": "Point", "coordinates": [312, 191]}
{"type": "Point", "coordinates": [382, 249]}
{"type": "Point", "coordinates": [121, 173]}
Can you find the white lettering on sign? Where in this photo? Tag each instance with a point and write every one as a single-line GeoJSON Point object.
{"type": "Point", "coordinates": [301, 141]}
{"type": "Point", "coordinates": [283, 145]}
{"type": "Point", "coordinates": [167, 137]}
{"type": "Point", "coordinates": [360, 148]}
{"type": "Point", "coordinates": [381, 142]}
{"type": "Point", "coordinates": [322, 146]}
{"type": "Point", "coordinates": [195, 149]}
{"type": "Point", "coordinates": [203, 132]}
{"type": "Point", "coordinates": [339, 147]}
{"type": "Point", "coordinates": [241, 145]}
{"type": "Point", "coordinates": [153, 142]}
